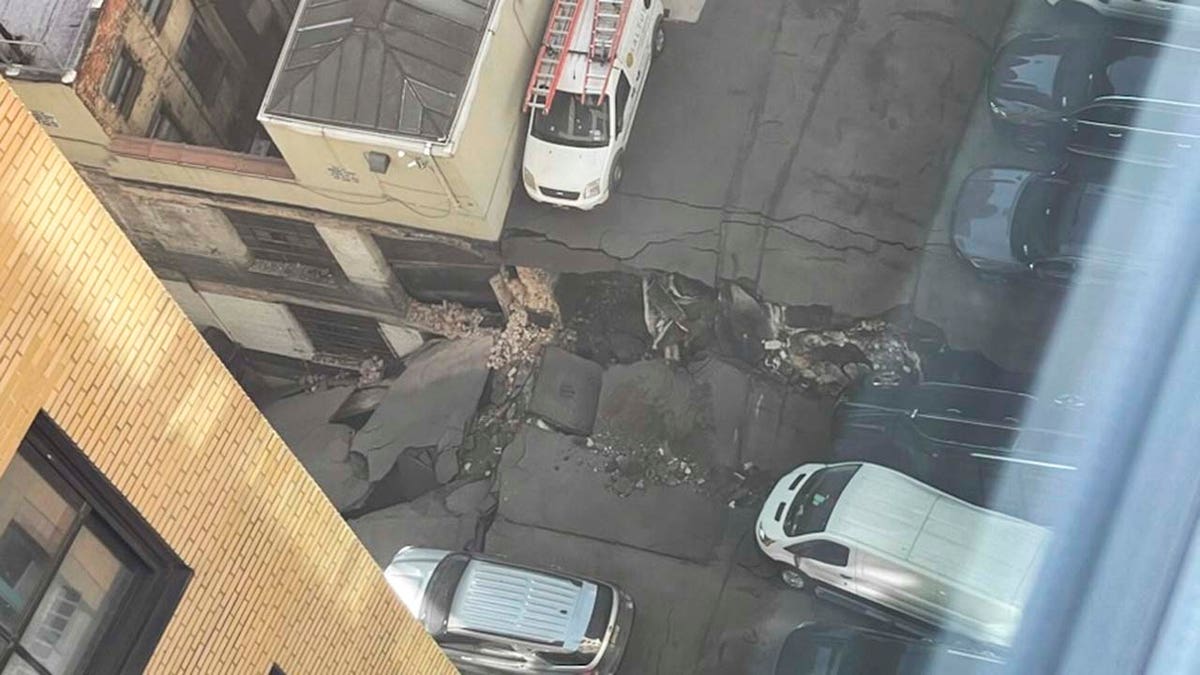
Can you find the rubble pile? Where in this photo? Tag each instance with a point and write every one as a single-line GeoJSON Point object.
{"type": "Point", "coordinates": [633, 465]}
{"type": "Point", "coordinates": [532, 320]}
{"type": "Point", "coordinates": [447, 318]}
{"type": "Point", "coordinates": [828, 360]}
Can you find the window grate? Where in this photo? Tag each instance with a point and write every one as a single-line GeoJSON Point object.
{"type": "Point", "coordinates": [342, 334]}
{"type": "Point", "coordinates": [282, 239]}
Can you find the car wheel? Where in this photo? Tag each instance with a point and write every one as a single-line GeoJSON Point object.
{"type": "Point", "coordinates": [616, 173]}
{"type": "Point", "coordinates": [660, 38]}
{"type": "Point", "coordinates": [794, 578]}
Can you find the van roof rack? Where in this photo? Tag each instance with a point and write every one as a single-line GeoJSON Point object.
{"type": "Point", "coordinates": [607, 24]}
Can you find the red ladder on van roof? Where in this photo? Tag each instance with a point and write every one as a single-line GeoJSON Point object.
{"type": "Point", "coordinates": [547, 70]}
{"type": "Point", "coordinates": [608, 22]}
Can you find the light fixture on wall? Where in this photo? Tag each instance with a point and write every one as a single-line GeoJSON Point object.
{"type": "Point", "coordinates": [378, 162]}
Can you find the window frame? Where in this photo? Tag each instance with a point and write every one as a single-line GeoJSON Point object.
{"type": "Point", "coordinates": [163, 114]}
{"type": "Point", "coordinates": [124, 94]}
{"type": "Point", "coordinates": [815, 550]}
{"type": "Point", "coordinates": [156, 11]}
{"type": "Point", "coordinates": [131, 634]}
{"type": "Point", "coordinates": [209, 84]}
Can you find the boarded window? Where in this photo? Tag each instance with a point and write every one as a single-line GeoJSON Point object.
{"type": "Point", "coordinates": [341, 334]}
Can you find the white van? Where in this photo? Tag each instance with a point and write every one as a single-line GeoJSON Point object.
{"type": "Point", "coordinates": [581, 114]}
{"type": "Point", "coordinates": [870, 533]}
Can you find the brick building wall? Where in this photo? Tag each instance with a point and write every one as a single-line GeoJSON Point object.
{"type": "Point", "coordinates": [89, 335]}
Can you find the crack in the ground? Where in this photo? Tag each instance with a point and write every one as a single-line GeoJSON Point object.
{"type": "Point", "coordinates": [598, 247]}
{"type": "Point", "coordinates": [879, 241]}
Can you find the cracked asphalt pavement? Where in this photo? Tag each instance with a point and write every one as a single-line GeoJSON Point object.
{"type": "Point", "coordinates": [799, 147]}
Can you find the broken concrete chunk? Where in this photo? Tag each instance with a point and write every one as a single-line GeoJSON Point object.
{"type": "Point", "coordinates": [470, 497]}
{"type": "Point", "coordinates": [430, 404]}
{"type": "Point", "coordinates": [446, 467]}
{"type": "Point", "coordinates": [566, 391]}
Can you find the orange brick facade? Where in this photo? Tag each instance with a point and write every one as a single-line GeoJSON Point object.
{"type": "Point", "coordinates": [88, 335]}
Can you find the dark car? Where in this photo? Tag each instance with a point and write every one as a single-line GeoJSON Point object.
{"type": "Point", "coordinates": [1018, 223]}
{"type": "Point", "coordinates": [821, 649]}
{"type": "Point", "coordinates": [967, 440]}
{"type": "Point", "coordinates": [1111, 97]}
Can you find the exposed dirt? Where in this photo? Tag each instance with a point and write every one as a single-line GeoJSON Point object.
{"type": "Point", "coordinates": [602, 312]}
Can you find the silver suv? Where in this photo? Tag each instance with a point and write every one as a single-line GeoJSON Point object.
{"type": "Point", "coordinates": [493, 616]}
{"type": "Point", "coordinates": [1181, 12]}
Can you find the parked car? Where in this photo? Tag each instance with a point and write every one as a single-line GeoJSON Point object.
{"type": "Point", "coordinates": [979, 444]}
{"type": "Point", "coordinates": [1014, 223]}
{"type": "Point", "coordinates": [1178, 12]}
{"type": "Point", "coordinates": [493, 616]}
{"type": "Point", "coordinates": [1110, 97]}
{"type": "Point", "coordinates": [877, 538]}
{"type": "Point", "coordinates": [823, 649]}
{"type": "Point", "coordinates": [574, 150]}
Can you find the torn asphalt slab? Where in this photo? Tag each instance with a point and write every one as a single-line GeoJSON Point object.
{"type": "Point", "coordinates": [430, 405]}
{"type": "Point", "coordinates": [566, 391]}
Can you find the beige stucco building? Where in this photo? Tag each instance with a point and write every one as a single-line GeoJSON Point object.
{"type": "Point", "coordinates": [343, 169]}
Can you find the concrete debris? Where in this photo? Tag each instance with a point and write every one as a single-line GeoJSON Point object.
{"type": "Point", "coordinates": [430, 404]}
{"type": "Point", "coordinates": [828, 360]}
{"type": "Point", "coordinates": [526, 296]}
{"type": "Point", "coordinates": [370, 371]}
{"type": "Point", "coordinates": [744, 323]}
{"type": "Point", "coordinates": [446, 467]}
{"type": "Point", "coordinates": [631, 465]}
{"type": "Point", "coordinates": [293, 270]}
{"type": "Point", "coordinates": [678, 313]}
{"type": "Point", "coordinates": [566, 391]}
{"type": "Point", "coordinates": [448, 318]}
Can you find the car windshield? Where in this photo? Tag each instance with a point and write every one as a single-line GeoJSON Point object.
{"type": "Point", "coordinates": [814, 503]}
{"type": "Point", "coordinates": [1044, 212]}
{"type": "Point", "coordinates": [581, 123]}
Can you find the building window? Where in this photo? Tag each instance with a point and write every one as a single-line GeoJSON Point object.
{"type": "Point", "coordinates": [285, 247]}
{"type": "Point", "coordinates": [85, 585]}
{"type": "Point", "coordinates": [124, 82]}
{"type": "Point", "coordinates": [164, 127]}
{"type": "Point", "coordinates": [432, 271]}
{"type": "Point", "coordinates": [156, 10]}
{"type": "Point", "coordinates": [341, 334]}
{"type": "Point", "coordinates": [200, 59]}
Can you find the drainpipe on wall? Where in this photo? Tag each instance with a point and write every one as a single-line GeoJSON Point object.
{"type": "Point", "coordinates": [437, 171]}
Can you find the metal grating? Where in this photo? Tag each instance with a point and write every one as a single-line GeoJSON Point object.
{"type": "Point", "coordinates": [342, 334]}
{"type": "Point", "coordinates": [282, 239]}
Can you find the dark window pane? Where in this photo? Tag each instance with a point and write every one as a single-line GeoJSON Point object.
{"type": "Point", "coordinates": [85, 593]}
{"type": "Point", "coordinates": [338, 333]}
{"type": "Point", "coordinates": [34, 522]}
{"type": "Point", "coordinates": [282, 240]}
{"type": "Point", "coordinates": [200, 59]}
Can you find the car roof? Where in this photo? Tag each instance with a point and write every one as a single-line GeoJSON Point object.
{"type": "Point", "coordinates": [897, 516]}
{"type": "Point", "coordinates": [1137, 67]}
{"type": "Point", "coordinates": [533, 606]}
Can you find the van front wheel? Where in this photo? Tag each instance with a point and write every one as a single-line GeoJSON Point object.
{"type": "Point", "coordinates": [794, 578]}
{"type": "Point", "coordinates": [660, 37]}
{"type": "Point", "coordinates": [616, 173]}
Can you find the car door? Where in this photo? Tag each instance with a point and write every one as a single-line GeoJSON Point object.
{"type": "Point", "coordinates": [622, 112]}
{"type": "Point", "coordinates": [1101, 130]}
{"type": "Point", "coordinates": [826, 561]}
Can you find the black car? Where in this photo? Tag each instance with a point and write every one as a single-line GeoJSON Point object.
{"type": "Point", "coordinates": [1111, 97]}
{"type": "Point", "coordinates": [1002, 449]}
{"type": "Point", "coordinates": [820, 649]}
{"type": "Point", "coordinates": [1018, 223]}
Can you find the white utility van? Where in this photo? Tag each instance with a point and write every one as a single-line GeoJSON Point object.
{"type": "Point", "coordinates": [585, 88]}
{"type": "Point", "coordinates": [870, 533]}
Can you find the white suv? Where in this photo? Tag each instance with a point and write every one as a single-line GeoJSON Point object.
{"type": "Point", "coordinates": [1180, 12]}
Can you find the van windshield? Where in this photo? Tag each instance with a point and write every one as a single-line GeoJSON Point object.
{"type": "Point", "coordinates": [815, 501]}
{"type": "Point", "coordinates": [580, 124]}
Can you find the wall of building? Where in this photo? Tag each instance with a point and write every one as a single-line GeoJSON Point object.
{"type": "Point", "coordinates": [467, 193]}
{"type": "Point", "coordinates": [221, 118]}
{"type": "Point", "coordinates": [89, 335]}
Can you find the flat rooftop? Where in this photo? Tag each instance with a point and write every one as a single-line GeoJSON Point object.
{"type": "Point", "coordinates": [42, 39]}
{"type": "Point", "coordinates": [396, 67]}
